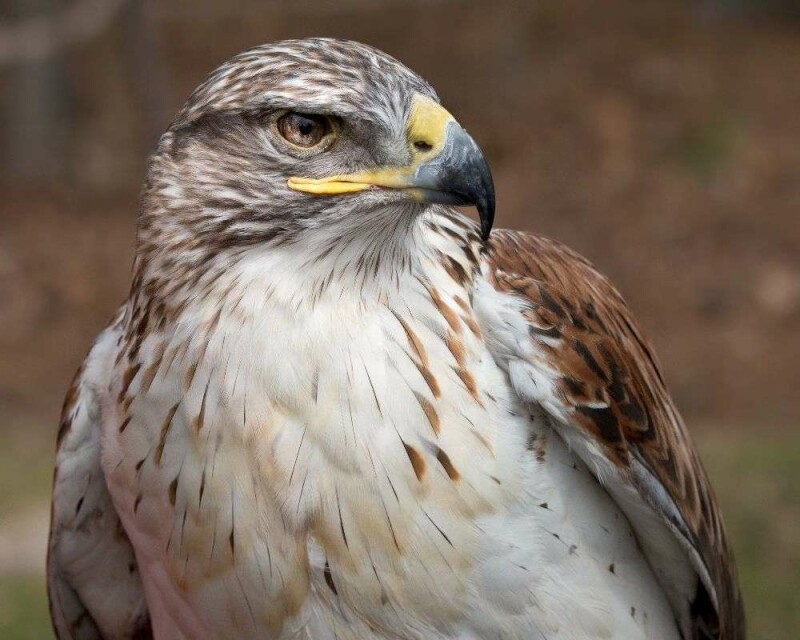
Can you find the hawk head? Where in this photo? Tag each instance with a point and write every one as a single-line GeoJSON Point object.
{"type": "Point", "coordinates": [305, 140]}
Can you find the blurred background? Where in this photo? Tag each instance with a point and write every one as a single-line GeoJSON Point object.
{"type": "Point", "coordinates": [660, 138]}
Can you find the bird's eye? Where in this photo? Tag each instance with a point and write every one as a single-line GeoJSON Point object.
{"type": "Point", "coordinates": [303, 129]}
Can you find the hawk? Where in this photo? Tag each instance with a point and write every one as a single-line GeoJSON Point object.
{"type": "Point", "coordinates": [332, 407]}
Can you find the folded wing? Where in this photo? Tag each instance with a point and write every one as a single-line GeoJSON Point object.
{"type": "Point", "coordinates": [92, 578]}
{"type": "Point", "coordinates": [570, 344]}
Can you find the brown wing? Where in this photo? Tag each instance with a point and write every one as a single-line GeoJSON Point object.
{"type": "Point", "coordinates": [92, 578]}
{"type": "Point", "coordinates": [606, 379]}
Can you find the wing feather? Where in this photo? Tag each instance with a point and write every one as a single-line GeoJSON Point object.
{"type": "Point", "coordinates": [92, 578]}
{"type": "Point", "coordinates": [570, 344]}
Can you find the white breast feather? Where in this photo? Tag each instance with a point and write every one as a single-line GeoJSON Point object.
{"type": "Point", "coordinates": [313, 519]}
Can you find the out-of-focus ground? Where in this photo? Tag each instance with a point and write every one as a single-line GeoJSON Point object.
{"type": "Point", "coordinates": [659, 138]}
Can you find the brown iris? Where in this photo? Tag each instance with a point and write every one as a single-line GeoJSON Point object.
{"type": "Point", "coordinates": [303, 129]}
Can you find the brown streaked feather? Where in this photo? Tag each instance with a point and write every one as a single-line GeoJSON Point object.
{"type": "Point", "coordinates": [610, 384]}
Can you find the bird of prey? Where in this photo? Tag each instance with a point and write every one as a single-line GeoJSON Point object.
{"type": "Point", "coordinates": [332, 407]}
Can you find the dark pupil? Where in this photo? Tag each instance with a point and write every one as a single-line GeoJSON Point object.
{"type": "Point", "coordinates": [306, 126]}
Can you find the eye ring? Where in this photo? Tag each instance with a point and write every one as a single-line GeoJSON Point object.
{"type": "Point", "coordinates": [304, 130]}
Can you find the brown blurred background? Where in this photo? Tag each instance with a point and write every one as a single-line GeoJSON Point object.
{"type": "Point", "coordinates": [660, 138]}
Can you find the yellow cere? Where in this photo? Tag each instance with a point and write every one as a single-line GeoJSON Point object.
{"type": "Point", "coordinates": [427, 123]}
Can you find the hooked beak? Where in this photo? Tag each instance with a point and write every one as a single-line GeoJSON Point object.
{"type": "Point", "coordinates": [447, 167]}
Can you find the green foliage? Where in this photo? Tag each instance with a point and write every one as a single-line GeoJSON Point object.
{"type": "Point", "coordinates": [26, 466]}
{"type": "Point", "coordinates": [707, 147]}
{"type": "Point", "coordinates": [757, 481]}
{"type": "Point", "coordinates": [23, 609]}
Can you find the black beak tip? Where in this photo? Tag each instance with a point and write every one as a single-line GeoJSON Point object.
{"type": "Point", "coordinates": [486, 223]}
{"type": "Point", "coordinates": [483, 196]}
{"type": "Point", "coordinates": [485, 206]}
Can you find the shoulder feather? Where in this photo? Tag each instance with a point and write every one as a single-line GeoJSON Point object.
{"type": "Point", "coordinates": [571, 344]}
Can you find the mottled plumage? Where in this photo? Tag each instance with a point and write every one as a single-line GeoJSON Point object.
{"type": "Point", "coordinates": [331, 408]}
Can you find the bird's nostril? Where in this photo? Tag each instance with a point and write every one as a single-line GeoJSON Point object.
{"type": "Point", "coordinates": [421, 145]}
